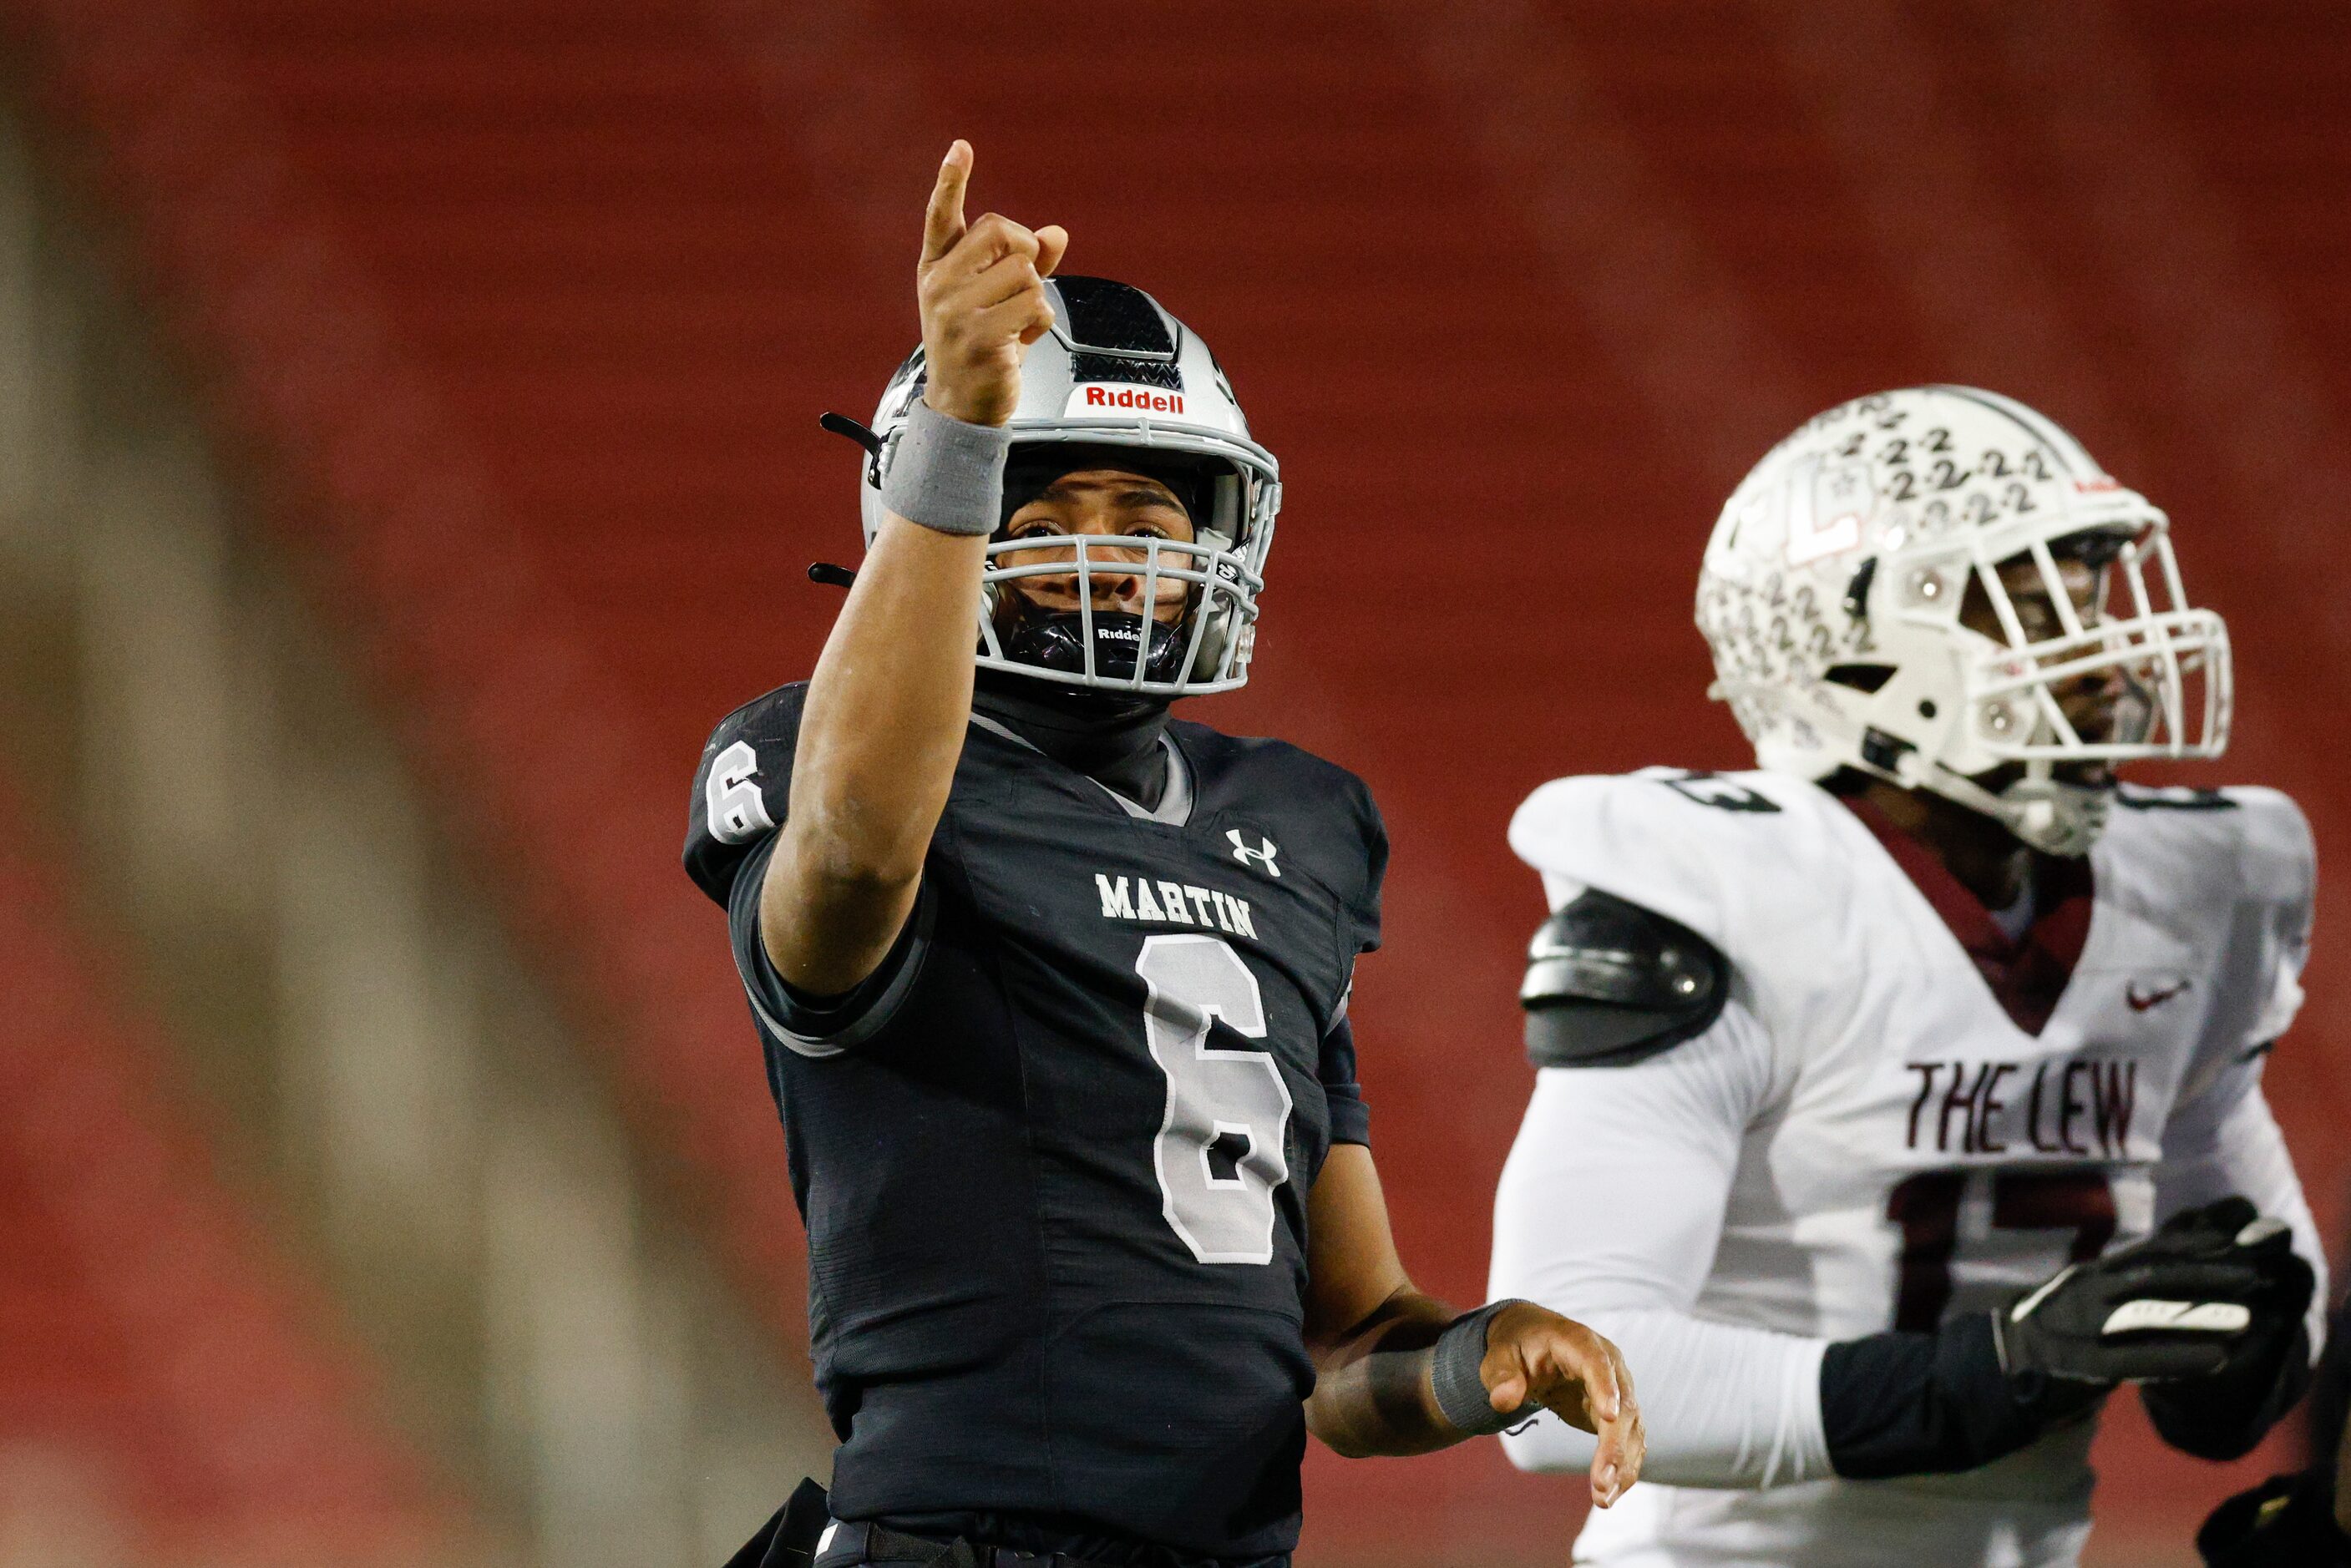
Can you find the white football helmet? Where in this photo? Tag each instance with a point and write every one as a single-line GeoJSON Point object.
{"type": "Point", "coordinates": [1117, 370]}
{"type": "Point", "coordinates": [1832, 597]}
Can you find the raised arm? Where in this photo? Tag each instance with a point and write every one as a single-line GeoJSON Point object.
{"type": "Point", "coordinates": [889, 703]}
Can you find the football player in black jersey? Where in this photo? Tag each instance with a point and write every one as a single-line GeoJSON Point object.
{"type": "Point", "coordinates": [1053, 989]}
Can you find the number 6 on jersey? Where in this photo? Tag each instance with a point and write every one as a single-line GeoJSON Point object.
{"type": "Point", "coordinates": [1215, 1099]}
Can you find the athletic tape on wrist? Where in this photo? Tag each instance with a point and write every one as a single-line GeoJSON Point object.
{"type": "Point", "coordinates": [1453, 1372]}
{"type": "Point", "coordinates": [945, 475]}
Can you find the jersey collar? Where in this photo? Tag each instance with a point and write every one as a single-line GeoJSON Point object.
{"type": "Point", "coordinates": [2026, 976]}
{"type": "Point", "coordinates": [1174, 807]}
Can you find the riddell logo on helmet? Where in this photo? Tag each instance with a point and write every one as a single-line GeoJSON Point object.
{"type": "Point", "coordinates": [2103, 483]}
{"type": "Point", "coordinates": [1099, 398]}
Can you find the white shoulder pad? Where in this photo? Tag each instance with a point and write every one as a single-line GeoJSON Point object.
{"type": "Point", "coordinates": [1706, 850]}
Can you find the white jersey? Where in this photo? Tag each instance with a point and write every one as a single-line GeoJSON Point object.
{"type": "Point", "coordinates": [1867, 1138]}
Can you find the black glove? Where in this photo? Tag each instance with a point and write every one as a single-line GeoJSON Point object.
{"type": "Point", "coordinates": [2287, 1522]}
{"type": "Point", "coordinates": [2224, 1416]}
{"type": "Point", "coordinates": [2210, 1289]}
{"type": "Point", "coordinates": [1908, 1404]}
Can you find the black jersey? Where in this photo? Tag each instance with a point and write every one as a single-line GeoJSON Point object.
{"type": "Point", "coordinates": [1053, 1156]}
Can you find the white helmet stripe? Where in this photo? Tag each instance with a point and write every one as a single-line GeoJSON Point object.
{"type": "Point", "coordinates": [2069, 452]}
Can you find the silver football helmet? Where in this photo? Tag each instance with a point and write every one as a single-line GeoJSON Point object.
{"type": "Point", "coordinates": [1117, 370]}
{"type": "Point", "coordinates": [1833, 586]}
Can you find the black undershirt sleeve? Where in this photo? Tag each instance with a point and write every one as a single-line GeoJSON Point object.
{"type": "Point", "coordinates": [1903, 1403]}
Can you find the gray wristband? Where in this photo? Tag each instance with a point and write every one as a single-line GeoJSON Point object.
{"type": "Point", "coordinates": [945, 475]}
{"type": "Point", "coordinates": [1453, 1372]}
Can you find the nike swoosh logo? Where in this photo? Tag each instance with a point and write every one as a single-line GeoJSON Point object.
{"type": "Point", "coordinates": [2141, 1001]}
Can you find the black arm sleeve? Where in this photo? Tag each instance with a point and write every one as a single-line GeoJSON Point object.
{"type": "Point", "coordinates": [2224, 1416]}
{"type": "Point", "coordinates": [1927, 1403]}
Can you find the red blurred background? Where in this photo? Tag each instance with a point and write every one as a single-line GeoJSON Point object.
{"type": "Point", "coordinates": [511, 319]}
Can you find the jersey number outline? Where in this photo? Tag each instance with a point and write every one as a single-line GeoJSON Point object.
{"type": "Point", "coordinates": [731, 799]}
{"type": "Point", "coordinates": [1213, 1098]}
{"type": "Point", "coordinates": [1927, 1206]}
{"type": "Point", "coordinates": [1713, 789]}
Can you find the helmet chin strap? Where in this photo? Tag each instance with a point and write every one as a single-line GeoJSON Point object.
{"type": "Point", "coordinates": [2047, 814]}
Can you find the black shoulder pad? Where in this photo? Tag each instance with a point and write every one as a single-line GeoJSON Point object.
{"type": "Point", "coordinates": [1610, 983]}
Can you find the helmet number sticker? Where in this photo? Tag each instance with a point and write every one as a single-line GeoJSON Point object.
{"type": "Point", "coordinates": [1221, 1151]}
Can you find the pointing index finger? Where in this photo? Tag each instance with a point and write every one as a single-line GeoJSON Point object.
{"type": "Point", "coordinates": [942, 223]}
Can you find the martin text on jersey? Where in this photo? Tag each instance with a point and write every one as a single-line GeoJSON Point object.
{"type": "Point", "coordinates": [1173, 903]}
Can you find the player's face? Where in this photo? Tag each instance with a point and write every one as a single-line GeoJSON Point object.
{"type": "Point", "coordinates": [2103, 704]}
{"type": "Point", "coordinates": [1102, 503]}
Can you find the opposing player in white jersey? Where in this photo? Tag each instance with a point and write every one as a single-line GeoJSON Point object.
{"type": "Point", "coordinates": [1899, 1099]}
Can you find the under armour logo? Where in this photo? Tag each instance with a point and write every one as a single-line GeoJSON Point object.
{"type": "Point", "coordinates": [1263, 854]}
